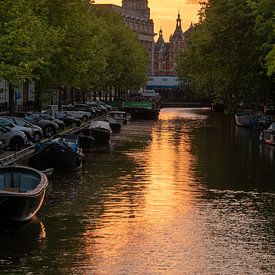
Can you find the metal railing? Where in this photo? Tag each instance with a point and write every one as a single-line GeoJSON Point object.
{"type": "Point", "coordinates": [19, 155]}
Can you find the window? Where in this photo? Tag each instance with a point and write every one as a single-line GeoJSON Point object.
{"type": "Point", "coordinates": [21, 122]}
{"type": "Point", "coordinates": [6, 123]}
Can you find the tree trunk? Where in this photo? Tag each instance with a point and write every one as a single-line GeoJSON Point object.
{"type": "Point", "coordinates": [11, 99]}
{"type": "Point", "coordinates": [59, 98]}
{"type": "Point", "coordinates": [72, 95]}
{"type": "Point", "coordinates": [83, 96]}
{"type": "Point", "coordinates": [38, 95]}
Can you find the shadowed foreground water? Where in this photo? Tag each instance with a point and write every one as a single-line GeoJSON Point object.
{"type": "Point", "coordinates": [188, 194]}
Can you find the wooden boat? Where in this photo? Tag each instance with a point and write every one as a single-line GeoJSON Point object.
{"type": "Point", "coordinates": [101, 132]}
{"type": "Point", "coordinates": [269, 134]}
{"type": "Point", "coordinates": [62, 154]}
{"type": "Point", "coordinates": [251, 119]}
{"type": "Point", "coordinates": [22, 191]}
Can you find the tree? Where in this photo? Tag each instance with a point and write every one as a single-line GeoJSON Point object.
{"type": "Point", "coordinates": [264, 13]}
{"type": "Point", "coordinates": [23, 40]}
{"type": "Point", "coordinates": [223, 54]}
{"type": "Point", "coordinates": [126, 58]}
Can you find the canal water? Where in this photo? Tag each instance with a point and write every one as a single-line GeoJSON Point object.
{"type": "Point", "coordinates": [187, 194]}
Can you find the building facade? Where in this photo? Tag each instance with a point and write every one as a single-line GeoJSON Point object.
{"type": "Point", "coordinates": [165, 53]}
{"type": "Point", "coordinates": [136, 15]}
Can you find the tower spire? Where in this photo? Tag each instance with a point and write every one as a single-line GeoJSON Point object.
{"type": "Point", "coordinates": [179, 20]}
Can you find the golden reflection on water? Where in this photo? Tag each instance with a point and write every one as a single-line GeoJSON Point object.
{"type": "Point", "coordinates": [142, 219]}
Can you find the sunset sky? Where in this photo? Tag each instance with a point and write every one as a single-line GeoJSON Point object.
{"type": "Point", "coordinates": [164, 13]}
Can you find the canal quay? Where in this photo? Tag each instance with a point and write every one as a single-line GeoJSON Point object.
{"type": "Point", "coordinates": [189, 193]}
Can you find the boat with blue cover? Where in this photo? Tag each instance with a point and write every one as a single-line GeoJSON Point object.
{"type": "Point", "coordinates": [252, 119]}
{"type": "Point", "coordinates": [22, 191]}
{"type": "Point", "coordinates": [61, 153]}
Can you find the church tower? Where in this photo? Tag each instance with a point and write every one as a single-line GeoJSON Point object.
{"type": "Point", "coordinates": [139, 6]}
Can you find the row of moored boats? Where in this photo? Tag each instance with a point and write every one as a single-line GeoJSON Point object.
{"type": "Point", "coordinates": [22, 189]}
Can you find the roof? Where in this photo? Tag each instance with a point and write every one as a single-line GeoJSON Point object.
{"type": "Point", "coordinates": [178, 34]}
{"type": "Point", "coordinates": [160, 42]}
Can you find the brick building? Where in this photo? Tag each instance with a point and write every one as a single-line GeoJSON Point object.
{"type": "Point", "coordinates": [165, 53]}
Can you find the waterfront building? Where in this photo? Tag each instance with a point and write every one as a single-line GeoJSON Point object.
{"type": "Point", "coordinates": [136, 15]}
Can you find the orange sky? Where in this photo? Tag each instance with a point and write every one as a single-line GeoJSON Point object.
{"type": "Point", "coordinates": [164, 13]}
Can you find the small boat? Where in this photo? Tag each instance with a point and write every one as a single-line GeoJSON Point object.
{"type": "Point", "coordinates": [269, 134]}
{"type": "Point", "coordinates": [114, 124]}
{"type": "Point", "coordinates": [86, 141]}
{"type": "Point", "coordinates": [22, 191]}
{"type": "Point", "coordinates": [251, 119]}
{"type": "Point", "coordinates": [101, 131]}
{"type": "Point", "coordinates": [120, 116]}
{"type": "Point", "coordinates": [62, 154]}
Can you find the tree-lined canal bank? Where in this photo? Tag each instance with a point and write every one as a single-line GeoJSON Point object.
{"type": "Point", "coordinates": [189, 193]}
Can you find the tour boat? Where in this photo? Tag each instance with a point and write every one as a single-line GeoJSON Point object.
{"type": "Point", "coordinates": [22, 191]}
{"type": "Point", "coordinates": [269, 134]}
{"type": "Point", "coordinates": [62, 153]}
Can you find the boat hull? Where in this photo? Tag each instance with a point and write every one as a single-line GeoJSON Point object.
{"type": "Point", "coordinates": [85, 142]}
{"type": "Point", "coordinates": [19, 208]}
{"type": "Point", "coordinates": [139, 113]}
{"type": "Point", "coordinates": [22, 192]}
{"type": "Point", "coordinates": [244, 120]}
{"type": "Point", "coordinates": [101, 136]}
{"type": "Point", "coordinates": [116, 127]}
{"type": "Point", "coordinates": [54, 156]}
{"type": "Point", "coordinates": [269, 137]}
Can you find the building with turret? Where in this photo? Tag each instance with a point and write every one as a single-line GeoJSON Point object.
{"type": "Point", "coordinates": [165, 53]}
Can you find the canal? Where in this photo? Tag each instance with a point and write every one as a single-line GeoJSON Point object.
{"type": "Point", "coordinates": [187, 194]}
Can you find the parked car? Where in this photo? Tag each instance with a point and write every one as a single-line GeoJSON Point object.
{"type": "Point", "coordinates": [97, 105]}
{"type": "Point", "coordinates": [49, 127]}
{"type": "Point", "coordinates": [101, 103]}
{"type": "Point", "coordinates": [85, 108]}
{"type": "Point", "coordinates": [12, 138]}
{"type": "Point", "coordinates": [68, 120]}
{"type": "Point", "coordinates": [33, 132]}
{"type": "Point", "coordinates": [60, 123]}
{"type": "Point", "coordinates": [98, 110]}
{"type": "Point", "coordinates": [71, 111]}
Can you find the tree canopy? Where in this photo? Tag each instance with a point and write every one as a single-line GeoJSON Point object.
{"type": "Point", "coordinates": [230, 55]}
{"type": "Point", "coordinates": [68, 43]}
